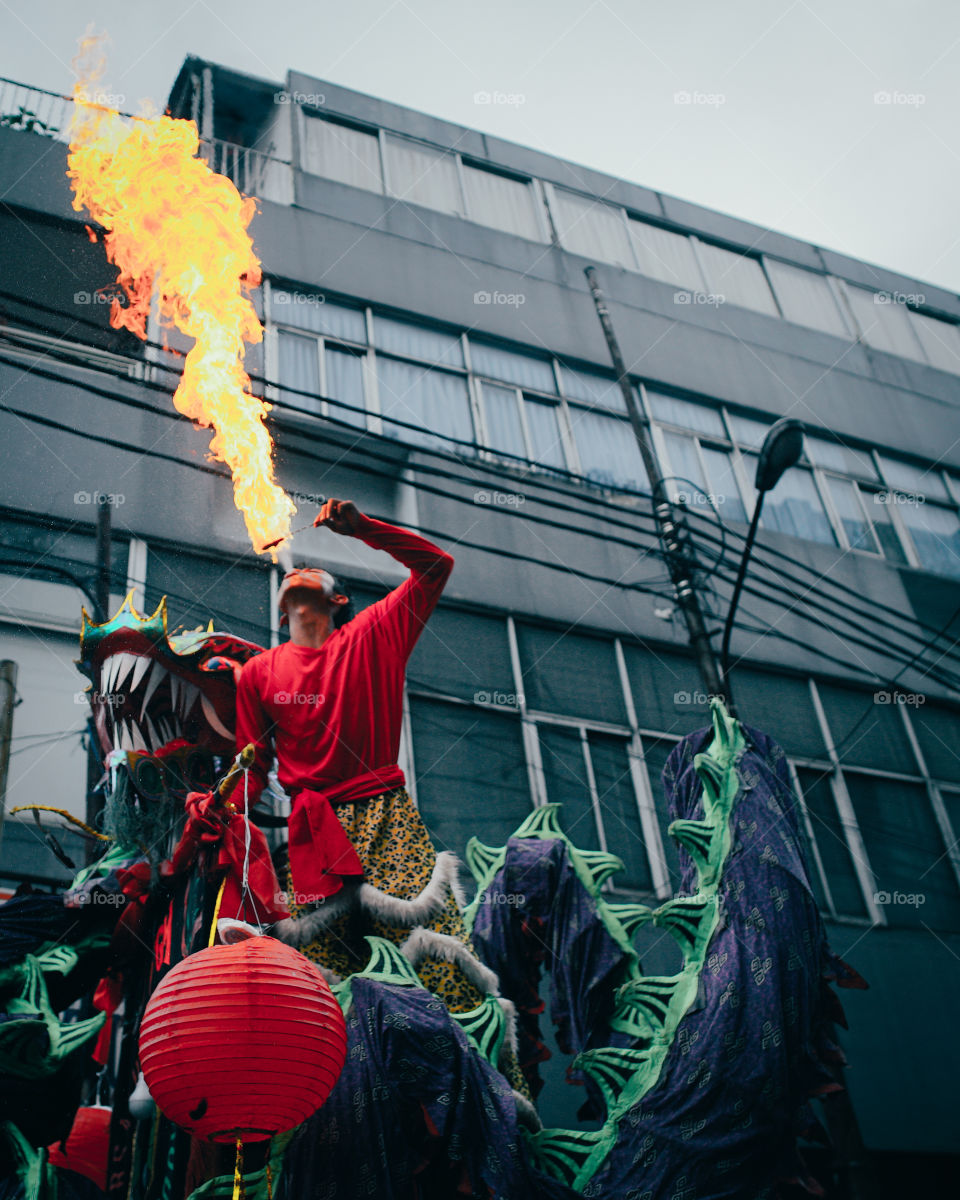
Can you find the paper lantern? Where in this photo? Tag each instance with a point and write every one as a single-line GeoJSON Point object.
{"type": "Point", "coordinates": [87, 1148]}
{"type": "Point", "coordinates": [242, 1041]}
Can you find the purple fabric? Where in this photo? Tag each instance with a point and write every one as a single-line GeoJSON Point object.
{"type": "Point", "coordinates": [415, 1115]}
{"type": "Point", "coordinates": [536, 916]}
{"type": "Point", "coordinates": [723, 1118]}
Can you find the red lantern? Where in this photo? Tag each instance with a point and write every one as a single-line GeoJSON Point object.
{"type": "Point", "coordinates": [87, 1148]}
{"type": "Point", "coordinates": [242, 1041]}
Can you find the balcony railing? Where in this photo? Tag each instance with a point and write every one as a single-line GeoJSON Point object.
{"type": "Point", "coordinates": [35, 110]}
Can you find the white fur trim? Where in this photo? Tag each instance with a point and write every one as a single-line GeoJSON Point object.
{"type": "Point", "coordinates": [510, 1012]}
{"type": "Point", "coordinates": [301, 931]}
{"type": "Point", "coordinates": [427, 943]}
{"type": "Point", "coordinates": [424, 907]}
{"type": "Point", "coordinates": [526, 1113]}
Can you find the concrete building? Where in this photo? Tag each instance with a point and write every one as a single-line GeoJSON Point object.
{"type": "Point", "coordinates": [433, 352]}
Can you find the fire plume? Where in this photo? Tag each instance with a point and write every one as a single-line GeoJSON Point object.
{"type": "Point", "coordinates": [176, 229]}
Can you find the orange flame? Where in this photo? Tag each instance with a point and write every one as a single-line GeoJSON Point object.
{"type": "Point", "coordinates": [176, 228]}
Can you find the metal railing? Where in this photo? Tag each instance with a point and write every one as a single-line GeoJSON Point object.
{"type": "Point", "coordinates": [38, 111]}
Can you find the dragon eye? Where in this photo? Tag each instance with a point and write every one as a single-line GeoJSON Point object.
{"type": "Point", "coordinates": [148, 778]}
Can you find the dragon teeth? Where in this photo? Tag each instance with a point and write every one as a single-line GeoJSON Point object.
{"type": "Point", "coordinates": [153, 682]}
{"type": "Point", "coordinates": [139, 670]}
{"type": "Point", "coordinates": [211, 714]}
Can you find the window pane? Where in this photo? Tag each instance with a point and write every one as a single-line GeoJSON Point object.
{"type": "Point", "coordinates": [938, 732]}
{"type": "Point", "coordinates": [608, 450]}
{"type": "Point", "coordinates": [866, 731]}
{"type": "Point", "coordinates": [570, 674]}
{"type": "Point", "coordinates": [655, 755]}
{"type": "Point", "coordinates": [431, 399]}
{"type": "Point", "coordinates": [667, 256]}
{"type": "Point", "coordinates": [464, 655]}
{"type": "Point", "coordinates": [565, 774]}
{"type": "Point", "coordinates": [417, 341]}
{"type": "Point", "coordinates": [940, 341]}
{"type": "Point", "coordinates": [936, 535]}
{"type": "Point", "coordinates": [847, 504]}
{"type": "Point", "coordinates": [806, 298]}
{"type": "Point", "coordinates": [592, 388]}
{"type": "Point", "coordinates": [311, 312]}
{"type": "Point", "coordinates": [345, 382]}
{"type": "Point", "coordinates": [521, 369]}
{"type": "Point", "coordinates": [885, 326]}
{"type": "Point", "coordinates": [839, 458]}
{"type": "Point", "coordinates": [748, 432]}
{"type": "Point", "coordinates": [546, 445]}
{"type": "Point", "coordinates": [783, 707]}
{"type": "Point", "coordinates": [723, 484]}
{"type": "Point", "coordinates": [299, 367]}
{"type": "Point", "coordinates": [794, 506]}
{"type": "Point", "coordinates": [471, 773]}
{"type": "Point", "coordinates": [914, 481]}
{"type": "Point", "coordinates": [667, 691]}
{"type": "Point", "coordinates": [698, 418]}
{"type": "Point", "coordinates": [619, 811]}
{"type": "Point", "coordinates": [878, 509]}
{"type": "Point", "coordinates": [501, 408]}
{"type": "Point", "coordinates": [422, 175]}
{"type": "Point", "coordinates": [502, 202]}
{"type": "Point", "coordinates": [834, 852]}
{"type": "Point", "coordinates": [685, 465]}
{"type": "Point", "coordinates": [593, 229]}
{"type": "Point", "coordinates": [738, 278]}
{"type": "Point", "coordinates": [339, 152]}
{"type": "Point", "coordinates": [235, 595]}
{"type": "Point", "coordinates": [907, 852]}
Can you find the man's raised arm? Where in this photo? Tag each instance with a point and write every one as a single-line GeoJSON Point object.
{"type": "Point", "coordinates": [401, 614]}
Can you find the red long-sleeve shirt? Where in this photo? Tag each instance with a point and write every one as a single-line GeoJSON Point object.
{"type": "Point", "coordinates": [336, 712]}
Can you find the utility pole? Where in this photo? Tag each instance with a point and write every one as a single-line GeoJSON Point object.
{"type": "Point", "coordinates": [8, 693]}
{"type": "Point", "coordinates": [671, 529]}
{"type": "Point", "coordinates": [101, 594]}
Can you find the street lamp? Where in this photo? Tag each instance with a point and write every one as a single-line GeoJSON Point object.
{"type": "Point", "coordinates": [781, 450]}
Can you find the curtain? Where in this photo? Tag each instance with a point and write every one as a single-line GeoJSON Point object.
{"type": "Point", "coordinates": [313, 312]}
{"type": "Point", "coordinates": [806, 298]}
{"type": "Point", "coordinates": [884, 326]}
{"type": "Point", "coordinates": [565, 775]}
{"type": "Point", "coordinates": [338, 152]}
{"type": "Point", "coordinates": [698, 418]}
{"type": "Point", "coordinates": [422, 175]}
{"type": "Point", "coordinates": [592, 388]}
{"type": "Point", "coordinates": [299, 368]}
{"type": "Point", "coordinates": [593, 229]}
{"type": "Point", "coordinates": [608, 450]}
{"type": "Point", "coordinates": [546, 445]}
{"type": "Point", "coordinates": [667, 256]}
{"type": "Point", "coordinates": [828, 832]}
{"type": "Point", "coordinates": [428, 398]}
{"type": "Point", "coordinates": [345, 382]}
{"type": "Point", "coordinates": [619, 810]}
{"type": "Point", "coordinates": [521, 369]}
{"type": "Point", "coordinates": [501, 408]}
{"type": "Point", "coordinates": [738, 278]}
{"type": "Point", "coordinates": [417, 341]}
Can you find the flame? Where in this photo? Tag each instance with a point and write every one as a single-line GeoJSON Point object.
{"type": "Point", "coordinates": [177, 229]}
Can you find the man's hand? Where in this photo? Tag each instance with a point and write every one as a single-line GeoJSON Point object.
{"type": "Point", "coordinates": [342, 516]}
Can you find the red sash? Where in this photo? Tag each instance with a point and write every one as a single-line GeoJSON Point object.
{"type": "Point", "coordinates": [320, 852]}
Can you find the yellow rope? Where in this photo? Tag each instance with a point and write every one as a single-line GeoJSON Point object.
{"type": "Point", "coordinates": [61, 812]}
{"type": "Point", "coordinates": [269, 1182]}
{"type": "Point", "coordinates": [239, 1191]}
{"type": "Point", "coordinates": [216, 912]}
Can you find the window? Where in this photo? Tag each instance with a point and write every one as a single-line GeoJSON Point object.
{"type": "Point", "coordinates": [697, 418]}
{"type": "Point", "coordinates": [501, 407]}
{"type": "Point", "coordinates": [937, 728]}
{"type": "Point", "coordinates": [667, 256]}
{"type": "Point", "coordinates": [237, 596]}
{"type": "Point", "coordinates": [341, 152]}
{"type": "Point", "coordinates": [837, 457]}
{"type": "Point", "coordinates": [608, 450]}
{"type": "Point", "coordinates": [434, 401]}
{"type": "Point", "coordinates": [571, 674]}
{"type": "Point", "coordinates": [935, 533]}
{"type": "Point", "coordinates": [417, 341]}
{"type": "Point", "coordinates": [299, 370]}
{"type": "Point", "coordinates": [590, 387]}
{"type": "Point", "coordinates": [853, 517]}
{"type": "Point", "coordinates": [344, 375]}
{"type": "Point", "coordinates": [697, 460]}
{"type": "Point", "coordinates": [794, 506]}
{"type": "Point", "coordinates": [543, 425]}
{"type": "Point", "coordinates": [524, 370]}
{"type": "Point", "coordinates": [316, 314]}
{"type": "Point", "coordinates": [422, 175]}
{"type": "Point", "coordinates": [464, 655]}
{"type": "Point", "coordinates": [831, 841]}
{"type": "Point", "coordinates": [913, 480]}
{"type": "Point", "coordinates": [939, 339]}
{"type": "Point", "coordinates": [738, 278]}
{"type": "Point", "coordinates": [884, 325]}
{"type": "Point", "coordinates": [593, 229]}
{"type": "Point", "coordinates": [806, 298]}
{"type": "Point", "coordinates": [502, 202]}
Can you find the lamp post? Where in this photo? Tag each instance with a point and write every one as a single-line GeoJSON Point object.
{"type": "Point", "coordinates": [781, 450]}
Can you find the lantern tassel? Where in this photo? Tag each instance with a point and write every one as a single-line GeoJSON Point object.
{"type": "Point", "coordinates": [239, 1191]}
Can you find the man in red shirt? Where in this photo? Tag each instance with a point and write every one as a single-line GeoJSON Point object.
{"type": "Point", "coordinates": [329, 704]}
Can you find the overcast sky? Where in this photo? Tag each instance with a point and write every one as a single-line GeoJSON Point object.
{"type": "Point", "coordinates": [835, 121]}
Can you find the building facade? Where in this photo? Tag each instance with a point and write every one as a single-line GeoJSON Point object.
{"type": "Point", "coordinates": [432, 351]}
